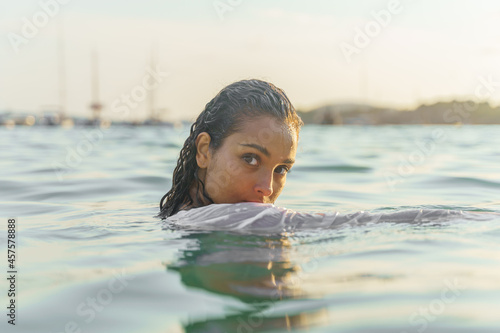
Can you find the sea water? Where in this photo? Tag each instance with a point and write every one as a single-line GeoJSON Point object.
{"type": "Point", "coordinates": [91, 256]}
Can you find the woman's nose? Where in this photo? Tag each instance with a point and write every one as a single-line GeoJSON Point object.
{"type": "Point", "coordinates": [264, 184]}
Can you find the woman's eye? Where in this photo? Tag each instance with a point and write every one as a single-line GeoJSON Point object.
{"type": "Point", "coordinates": [282, 170]}
{"type": "Point", "coordinates": [250, 160]}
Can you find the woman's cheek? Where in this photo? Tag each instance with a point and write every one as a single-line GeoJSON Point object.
{"type": "Point", "coordinates": [217, 183]}
{"type": "Point", "coordinates": [280, 184]}
{"type": "Point", "coordinates": [234, 168]}
{"type": "Point", "coordinates": [213, 191]}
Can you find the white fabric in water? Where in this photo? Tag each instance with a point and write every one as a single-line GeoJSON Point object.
{"type": "Point", "coordinates": [249, 216]}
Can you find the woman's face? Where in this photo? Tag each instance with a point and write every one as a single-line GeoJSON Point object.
{"type": "Point", "coordinates": [251, 164]}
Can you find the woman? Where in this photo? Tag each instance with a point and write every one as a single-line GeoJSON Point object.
{"type": "Point", "coordinates": [234, 163]}
{"type": "Point", "coordinates": [239, 149]}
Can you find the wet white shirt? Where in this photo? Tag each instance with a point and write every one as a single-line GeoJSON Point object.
{"type": "Point", "coordinates": [256, 217]}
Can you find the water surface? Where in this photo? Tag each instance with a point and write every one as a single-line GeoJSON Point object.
{"type": "Point", "coordinates": [93, 257]}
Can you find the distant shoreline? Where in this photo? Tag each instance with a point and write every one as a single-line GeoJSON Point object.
{"type": "Point", "coordinates": [440, 113]}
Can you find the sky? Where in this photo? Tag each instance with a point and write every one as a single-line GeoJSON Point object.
{"type": "Point", "coordinates": [397, 53]}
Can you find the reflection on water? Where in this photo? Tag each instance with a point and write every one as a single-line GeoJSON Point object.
{"type": "Point", "coordinates": [336, 279]}
{"type": "Point", "coordinates": [259, 271]}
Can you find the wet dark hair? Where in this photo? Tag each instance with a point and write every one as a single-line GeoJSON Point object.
{"type": "Point", "coordinates": [223, 116]}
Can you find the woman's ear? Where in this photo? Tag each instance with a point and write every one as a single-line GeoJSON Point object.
{"type": "Point", "coordinates": [202, 149]}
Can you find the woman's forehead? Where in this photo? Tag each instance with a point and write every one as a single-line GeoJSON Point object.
{"type": "Point", "coordinates": [267, 132]}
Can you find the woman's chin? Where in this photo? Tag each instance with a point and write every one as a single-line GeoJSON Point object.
{"type": "Point", "coordinates": [254, 202]}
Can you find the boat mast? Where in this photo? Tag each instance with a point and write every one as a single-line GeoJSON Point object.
{"type": "Point", "coordinates": [151, 94]}
{"type": "Point", "coordinates": [96, 106]}
{"type": "Point", "coordinates": [61, 70]}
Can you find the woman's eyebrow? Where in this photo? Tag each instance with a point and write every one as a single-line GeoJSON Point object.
{"type": "Point", "coordinates": [264, 151]}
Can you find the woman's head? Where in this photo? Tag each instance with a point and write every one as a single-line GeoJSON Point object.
{"type": "Point", "coordinates": [239, 149]}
